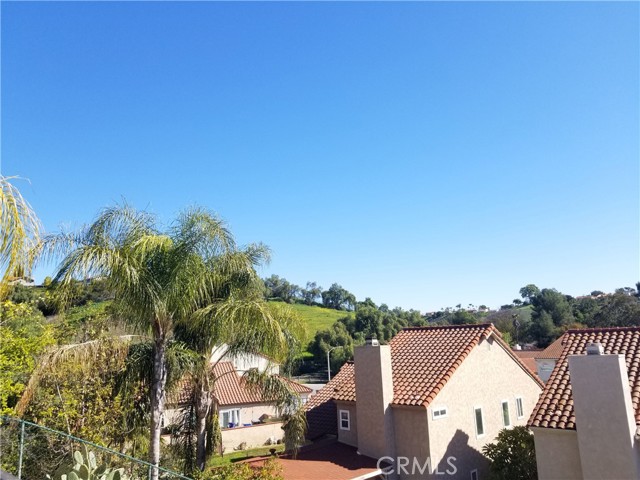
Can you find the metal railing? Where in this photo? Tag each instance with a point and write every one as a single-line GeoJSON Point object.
{"type": "Point", "coordinates": [29, 451]}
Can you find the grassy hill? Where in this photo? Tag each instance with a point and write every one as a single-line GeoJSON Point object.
{"type": "Point", "coordinates": [317, 318]}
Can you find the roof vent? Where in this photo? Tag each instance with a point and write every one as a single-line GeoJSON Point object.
{"type": "Point", "coordinates": [372, 341]}
{"type": "Point", "coordinates": [595, 348]}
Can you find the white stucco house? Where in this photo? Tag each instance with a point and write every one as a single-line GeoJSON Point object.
{"type": "Point", "coordinates": [246, 418]}
{"type": "Point", "coordinates": [434, 396]}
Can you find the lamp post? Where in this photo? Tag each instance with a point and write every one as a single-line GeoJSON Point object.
{"type": "Point", "coordinates": [328, 362]}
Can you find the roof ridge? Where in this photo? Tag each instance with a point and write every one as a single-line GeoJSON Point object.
{"type": "Point", "coordinates": [449, 327]}
{"type": "Point", "coordinates": [603, 329]}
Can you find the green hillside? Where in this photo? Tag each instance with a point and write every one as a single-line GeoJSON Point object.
{"type": "Point", "coordinates": [317, 318]}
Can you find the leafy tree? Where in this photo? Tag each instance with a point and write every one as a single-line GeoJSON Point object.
{"type": "Point", "coordinates": [162, 280]}
{"type": "Point", "coordinates": [19, 232]}
{"type": "Point", "coordinates": [311, 293]}
{"type": "Point", "coordinates": [280, 288]}
{"type": "Point", "coordinates": [597, 293]}
{"type": "Point", "coordinates": [542, 329]}
{"type": "Point", "coordinates": [618, 310]}
{"type": "Point", "coordinates": [338, 298]}
{"type": "Point", "coordinates": [24, 335]}
{"type": "Point", "coordinates": [553, 303]}
{"type": "Point", "coordinates": [513, 456]}
{"type": "Point", "coordinates": [462, 317]}
{"type": "Point", "coordinates": [529, 291]}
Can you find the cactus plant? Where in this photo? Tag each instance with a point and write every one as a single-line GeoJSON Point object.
{"type": "Point", "coordinates": [86, 468]}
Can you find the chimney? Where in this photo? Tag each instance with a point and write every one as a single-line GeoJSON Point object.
{"type": "Point", "coordinates": [374, 393]}
{"type": "Point", "coordinates": [605, 420]}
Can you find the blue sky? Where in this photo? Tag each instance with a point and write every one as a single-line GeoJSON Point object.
{"type": "Point", "coordinates": [421, 154]}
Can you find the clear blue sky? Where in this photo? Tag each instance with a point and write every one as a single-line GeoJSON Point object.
{"type": "Point", "coordinates": [422, 154]}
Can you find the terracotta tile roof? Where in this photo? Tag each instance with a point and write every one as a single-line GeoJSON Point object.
{"type": "Point", "coordinates": [552, 351]}
{"type": "Point", "coordinates": [528, 353]}
{"type": "Point", "coordinates": [229, 388]}
{"type": "Point", "coordinates": [321, 410]}
{"type": "Point", "coordinates": [555, 405]}
{"type": "Point", "coordinates": [335, 461]}
{"type": "Point", "coordinates": [423, 359]}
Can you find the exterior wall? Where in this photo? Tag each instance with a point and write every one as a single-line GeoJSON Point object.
{"type": "Point", "coordinates": [485, 378]}
{"type": "Point", "coordinates": [544, 367]}
{"type": "Point", "coordinates": [350, 437]}
{"type": "Point", "coordinates": [254, 436]}
{"type": "Point", "coordinates": [412, 440]}
{"type": "Point", "coordinates": [245, 362]}
{"type": "Point", "coordinates": [557, 454]}
{"type": "Point", "coordinates": [250, 413]}
{"type": "Point", "coordinates": [374, 391]}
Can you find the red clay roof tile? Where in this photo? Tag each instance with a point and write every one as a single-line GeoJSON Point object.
{"type": "Point", "coordinates": [555, 405]}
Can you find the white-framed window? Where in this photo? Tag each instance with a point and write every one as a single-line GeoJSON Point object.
{"type": "Point", "coordinates": [230, 418]}
{"type": "Point", "coordinates": [477, 413]}
{"type": "Point", "coordinates": [519, 407]}
{"type": "Point", "coordinates": [439, 412]}
{"type": "Point", "coordinates": [345, 420]}
{"type": "Point", "coordinates": [506, 417]}
{"type": "Point", "coordinates": [474, 474]}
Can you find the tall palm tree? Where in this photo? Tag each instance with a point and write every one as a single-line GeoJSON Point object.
{"type": "Point", "coordinates": [19, 232]}
{"type": "Point", "coordinates": [245, 307]}
{"type": "Point", "coordinates": [163, 281]}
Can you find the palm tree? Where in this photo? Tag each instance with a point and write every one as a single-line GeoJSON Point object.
{"type": "Point", "coordinates": [165, 281]}
{"type": "Point", "coordinates": [19, 232]}
{"type": "Point", "coordinates": [204, 333]}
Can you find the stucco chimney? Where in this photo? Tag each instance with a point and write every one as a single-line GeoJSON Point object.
{"type": "Point", "coordinates": [374, 393]}
{"type": "Point", "coordinates": [605, 420]}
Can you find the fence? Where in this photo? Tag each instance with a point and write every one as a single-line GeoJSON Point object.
{"type": "Point", "coordinates": [29, 451]}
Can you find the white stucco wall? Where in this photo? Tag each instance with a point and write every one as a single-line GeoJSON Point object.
{"type": "Point", "coordinates": [557, 454]}
{"type": "Point", "coordinates": [254, 436]}
{"type": "Point", "coordinates": [486, 378]}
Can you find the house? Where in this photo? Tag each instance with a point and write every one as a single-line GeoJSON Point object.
{"type": "Point", "coordinates": [546, 359]}
{"type": "Point", "coordinates": [429, 401]}
{"type": "Point", "coordinates": [528, 357]}
{"type": "Point", "coordinates": [586, 422]}
{"type": "Point", "coordinates": [246, 418]}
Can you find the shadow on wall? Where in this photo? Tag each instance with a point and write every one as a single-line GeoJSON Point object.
{"type": "Point", "coordinates": [465, 459]}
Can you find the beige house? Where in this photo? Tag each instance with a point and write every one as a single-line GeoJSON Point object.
{"type": "Point", "coordinates": [546, 359]}
{"type": "Point", "coordinates": [429, 401]}
{"type": "Point", "coordinates": [586, 422]}
{"type": "Point", "coordinates": [246, 418]}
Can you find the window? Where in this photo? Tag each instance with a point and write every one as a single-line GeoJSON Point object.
{"type": "Point", "coordinates": [439, 412]}
{"type": "Point", "coordinates": [519, 409]}
{"type": "Point", "coordinates": [479, 422]}
{"type": "Point", "coordinates": [230, 418]}
{"type": "Point", "coordinates": [474, 474]}
{"type": "Point", "coordinates": [345, 423]}
{"type": "Point", "coordinates": [506, 418]}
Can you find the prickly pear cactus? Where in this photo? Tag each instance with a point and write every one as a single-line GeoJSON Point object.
{"type": "Point", "coordinates": [86, 467]}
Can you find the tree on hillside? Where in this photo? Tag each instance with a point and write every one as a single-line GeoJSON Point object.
{"type": "Point", "coordinates": [280, 288]}
{"type": "Point", "coordinates": [311, 293]}
{"type": "Point", "coordinates": [19, 233]}
{"type": "Point", "coordinates": [338, 298]}
{"type": "Point", "coordinates": [462, 317]}
{"type": "Point", "coordinates": [162, 280]}
{"type": "Point", "coordinates": [529, 291]}
{"type": "Point", "coordinates": [555, 304]}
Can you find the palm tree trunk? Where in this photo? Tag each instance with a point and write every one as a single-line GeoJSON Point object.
{"type": "Point", "coordinates": [157, 402]}
{"type": "Point", "coordinates": [203, 407]}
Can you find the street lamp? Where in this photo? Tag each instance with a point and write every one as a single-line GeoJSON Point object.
{"type": "Point", "coordinates": [328, 362]}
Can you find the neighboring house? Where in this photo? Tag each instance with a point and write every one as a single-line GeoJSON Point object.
{"type": "Point", "coordinates": [246, 418]}
{"type": "Point", "coordinates": [528, 357]}
{"type": "Point", "coordinates": [436, 394]}
{"type": "Point", "coordinates": [585, 424]}
{"type": "Point", "coordinates": [547, 358]}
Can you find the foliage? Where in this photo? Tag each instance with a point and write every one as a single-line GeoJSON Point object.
{"type": "Point", "coordinates": [513, 455]}
{"type": "Point", "coordinates": [529, 291]}
{"type": "Point", "coordinates": [338, 298]}
{"type": "Point", "coordinates": [86, 467]}
{"type": "Point", "coordinates": [24, 335]}
{"type": "Point", "coordinates": [269, 470]}
{"type": "Point", "coordinates": [19, 232]}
